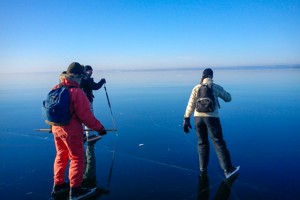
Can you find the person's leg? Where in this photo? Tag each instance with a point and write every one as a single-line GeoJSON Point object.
{"type": "Point", "coordinates": [76, 169]}
{"type": "Point", "coordinates": [61, 161]}
{"type": "Point", "coordinates": [203, 144]}
{"type": "Point", "coordinates": [90, 135]}
{"type": "Point", "coordinates": [89, 177]}
{"type": "Point", "coordinates": [76, 155]}
{"type": "Point", "coordinates": [216, 134]}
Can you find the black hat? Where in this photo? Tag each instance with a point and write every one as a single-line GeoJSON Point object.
{"type": "Point", "coordinates": [87, 68]}
{"type": "Point", "coordinates": [208, 73]}
{"type": "Point", "coordinates": [75, 69]}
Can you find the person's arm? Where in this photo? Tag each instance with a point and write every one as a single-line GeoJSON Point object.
{"type": "Point", "coordinates": [82, 110]}
{"type": "Point", "coordinates": [192, 103]}
{"type": "Point", "coordinates": [223, 94]}
{"type": "Point", "coordinates": [189, 110]}
{"type": "Point", "coordinates": [97, 86]}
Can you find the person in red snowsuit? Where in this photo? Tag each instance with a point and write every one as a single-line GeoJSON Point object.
{"type": "Point", "coordinates": [69, 138]}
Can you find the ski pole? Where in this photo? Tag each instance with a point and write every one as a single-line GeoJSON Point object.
{"type": "Point", "coordinates": [48, 129]}
{"type": "Point", "coordinates": [111, 113]}
{"type": "Point", "coordinates": [116, 143]}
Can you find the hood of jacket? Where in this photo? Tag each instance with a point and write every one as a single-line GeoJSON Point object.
{"type": "Point", "coordinates": [68, 81]}
{"type": "Point", "coordinates": [208, 81]}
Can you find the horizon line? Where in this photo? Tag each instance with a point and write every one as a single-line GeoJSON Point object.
{"type": "Point", "coordinates": [245, 67]}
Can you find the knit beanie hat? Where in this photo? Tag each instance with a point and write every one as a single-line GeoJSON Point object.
{"type": "Point", "coordinates": [75, 69]}
{"type": "Point", "coordinates": [87, 68]}
{"type": "Point", "coordinates": [207, 73]}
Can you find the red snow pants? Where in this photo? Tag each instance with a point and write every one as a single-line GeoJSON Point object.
{"type": "Point", "coordinates": [69, 148]}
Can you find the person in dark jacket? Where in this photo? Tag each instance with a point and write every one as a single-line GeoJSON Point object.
{"type": "Point", "coordinates": [88, 85]}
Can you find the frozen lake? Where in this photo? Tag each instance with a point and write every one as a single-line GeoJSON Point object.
{"type": "Point", "coordinates": [154, 158]}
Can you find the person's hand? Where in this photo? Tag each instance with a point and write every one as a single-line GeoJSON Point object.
{"type": "Point", "coordinates": [102, 81]}
{"type": "Point", "coordinates": [102, 131]}
{"type": "Point", "coordinates": [187, 125]}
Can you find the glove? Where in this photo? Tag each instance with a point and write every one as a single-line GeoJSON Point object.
{"type": "Point", "coordinates": [102, 81]}
{"type": "Point", "coordinates": [186, 125]}
{"type": "Point", "coordinates": [102, 132]}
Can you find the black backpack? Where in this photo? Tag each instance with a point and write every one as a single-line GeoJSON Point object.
{"type": "Point", "coordinates": [205, 99]}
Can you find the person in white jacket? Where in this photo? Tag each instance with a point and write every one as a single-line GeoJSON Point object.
{"type": "Point", "coordinates": [209, 123]}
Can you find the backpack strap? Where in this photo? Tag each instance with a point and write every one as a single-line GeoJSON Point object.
{"type": "Point", "coordinates": [72, 86]}
{"type": "Point", "coordinates": [217, 97]}
{"type": "Point", "coordinates": [218, 103]}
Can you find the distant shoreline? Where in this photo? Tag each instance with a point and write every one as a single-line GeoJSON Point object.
{"type": "Point", "coordinates": [201, 68]}
{"type": "Point", "coordinates": [275, 67]}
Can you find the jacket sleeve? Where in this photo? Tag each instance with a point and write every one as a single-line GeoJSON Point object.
{"type": "Point", "coordinates": [95, 86]}
{"type": "Point", "coordinates": [192, 102]}
{"type": "Point", "coordinates": [223, 94]}
{"type": "Point", "coordinates": [82, 110]}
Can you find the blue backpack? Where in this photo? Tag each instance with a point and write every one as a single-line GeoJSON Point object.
{"type": "Point", "coordinates": [56, 107]}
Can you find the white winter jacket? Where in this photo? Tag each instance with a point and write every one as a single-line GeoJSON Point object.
{"type": "Point", "coordinates": [218, 91]}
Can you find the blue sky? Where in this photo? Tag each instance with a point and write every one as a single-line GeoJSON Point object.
{"type": "Point", "coordinates": [44, 35]}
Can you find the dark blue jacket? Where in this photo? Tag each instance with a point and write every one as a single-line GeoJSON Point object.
{"type": "Point", "coordinates": [88, 85]}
